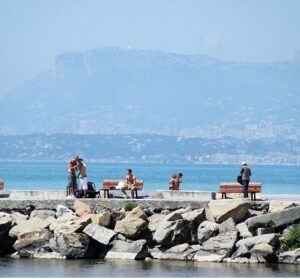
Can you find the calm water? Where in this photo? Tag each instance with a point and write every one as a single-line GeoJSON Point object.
{"type": "Point", "coordinates": [123, 268]}
{"type": "Point", "coordinates": [276, 179]}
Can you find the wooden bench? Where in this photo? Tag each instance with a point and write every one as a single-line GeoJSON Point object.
{"type": "Point", "coordinates": [234, 187]}
{"type": "Point", "coordinates": [110, 184]}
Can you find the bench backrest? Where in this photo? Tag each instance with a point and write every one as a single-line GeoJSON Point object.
{"type": "Point", "coordinates": [108, 183]}
{"type": "Point", "coordinates": [234, 187]}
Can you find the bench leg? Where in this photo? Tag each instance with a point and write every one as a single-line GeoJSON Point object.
{"type": "Point", "coordinates": [136, 194]}
{"type": "Point", "coordinates": [224, 196]}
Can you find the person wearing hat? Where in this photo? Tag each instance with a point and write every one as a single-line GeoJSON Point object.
{"type": "Point", "coordinates": [245, 173]}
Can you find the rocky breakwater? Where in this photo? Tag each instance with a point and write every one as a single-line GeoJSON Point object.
{"type": "Point", "coordinates": [238, 231]}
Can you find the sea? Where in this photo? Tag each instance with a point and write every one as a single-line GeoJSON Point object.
{"type": "Point", "coordinates": [276, 179]}
{"type": "Point", "coordinates": [18, 175]}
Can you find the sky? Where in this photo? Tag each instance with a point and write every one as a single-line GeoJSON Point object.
{"type": "Point", "coordinates": [33, 32]}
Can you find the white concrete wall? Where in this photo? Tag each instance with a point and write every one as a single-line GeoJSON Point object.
{"type": "Point", "coordinates": [184, 195]}
{"type": "Point", "coordinates": [37, 194]}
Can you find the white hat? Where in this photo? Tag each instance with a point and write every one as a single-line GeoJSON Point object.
{"type": "Point", "coordinates": [244, 164]}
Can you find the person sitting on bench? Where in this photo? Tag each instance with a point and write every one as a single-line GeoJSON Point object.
{"type": "Point", "coordinates": [129, 184]}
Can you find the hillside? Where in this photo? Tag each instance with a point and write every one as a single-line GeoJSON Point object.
{"type": "Point", "coordinates": [114, 90]}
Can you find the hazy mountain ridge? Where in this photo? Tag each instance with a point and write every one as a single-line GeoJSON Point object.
{"type": "Point", "coordinates": [116, 90]}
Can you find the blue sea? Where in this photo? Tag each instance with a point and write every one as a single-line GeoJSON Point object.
{"type": "Point", "coordinates": [276, 179]}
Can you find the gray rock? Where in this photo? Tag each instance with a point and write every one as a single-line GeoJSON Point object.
{"type": "Point", "coordinates": [136, 250]}
{"type": "Point", "coordinates": [243, 230]}
{"type": "Point", "coordinates": [62, 210]}
{"type": "Point", "coordinates": [204, 256]}
{"type": "Point", "coordinates": [99, 233]}
{"type": "Point", "coordinates": [262, 249]}
{"type": "Point", "coordinates": [70, 245]}
{"type": "Point", "coordinates": [195, 217]}
{"type": "Point", "coordinates": [271, 239]}
{"type": "Point", "coordinates": [171, 233]}
{"type": "Point", "coordinates": [222, 244]}
{"type": "Point", "coordinates": [182, 252]}
{"type": "Point", "coordinates": [42, 254]}
{"type": "Point", "coordinates": [240, 260]}
{"type": "Point", "coordinates": [131, 228]}
{"type": "Point", "coordinates": [242, 251]}
{"type": "Point", "coordinates": [290, 256]}
{"type": "Point", "coordinates": [227, 226]}
{"type": "Point", "coordinates": [173, 216]}
{"type": "Point", "coordinates": [275, 220]}
{"type": "Point", "coordinates": [42, 214]}
{"type": "Point", "coordinates": [224, 209]}
{"type": "Point", "coordinates": [276, 206]}
{"type": "Point", "coordinates": [206, 230]}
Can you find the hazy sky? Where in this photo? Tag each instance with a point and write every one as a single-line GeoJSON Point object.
{"type": "Point", "coordinates": [33, 32]}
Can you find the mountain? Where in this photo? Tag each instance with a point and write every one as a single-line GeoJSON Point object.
{"type": "Point", "coordinates": [115, 90]}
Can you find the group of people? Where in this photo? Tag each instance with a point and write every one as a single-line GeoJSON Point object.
{"type": "Point", "coordinates": [77, 164]}
{"type": "Point", "coordinates": [73, 188]}
{"type": "Point", "coordinates": [174, 182]}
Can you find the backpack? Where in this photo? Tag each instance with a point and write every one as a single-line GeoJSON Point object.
{"type": "Point", "coordinates": [91, 190]}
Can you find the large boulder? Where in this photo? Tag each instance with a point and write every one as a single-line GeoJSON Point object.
{"type": "Point", "coordinates": [265, 251]}
{"type": "Point", "coordinates": [99, 233]}
{"type": "Point", "coordinates": [171, 233]}
{"type": "Point", "coordinates": [271, 239]}
{"type": "Point", "coordinates": [205, 256]}
{"type": "Point", "coordinates": [222, 244]}
{"type": "Point", "coordinates": [227, 226]}
{"type": "Point", "coordinates": [70, 245]}
{"type": "Point", "coordinates": [136, 250]}
{"type": "Point", "coordinates": [28, 243]}
{"type": "Point", "coordinates": [224, 209]}
{"type": "Point", "coordinates": [137, 212]}
{"type": "Point", "coordinates": [102, 219]}
{"type": "Point", "coordinates": [241, 251]}
{"type": "Point", "coordinates": [154, 222]}
{"type": "Point", "coordinates": [73, 226]}
{"type": "Point", "coordinates": [275, 220]}
{"type": "Point", "coordinates": [18, 217]}
{"type": "Point", "coordinates": [29, 225]}
{"type": "Point", "coordinates": [243, 230]}
{"type": "Point", "coordinates": [42, 214]}
{"type": "Point", "coordinates": [195, 217]}
{"type": "Point", "coordinates": [81, 207]}
{"type": "Point", "coordinates": [182, 252]}
{"type": "Point", "coordinates": [206, 230]}
{"type": "Point", "coordinates": [62, 210]}
{"type": "Point", "coordinates": [290, 256]}
{"type": "Point", "coordinates": [276, 206]}
{"type": "Point", "coordinates": [131, 227]}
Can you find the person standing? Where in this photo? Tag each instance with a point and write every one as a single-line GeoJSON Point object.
{"type": "Point", "coordinates": [178, 181]}
{"type": "Point", "coordinates": [83, 181]}
{"type": "Point", "coordinates": [172, 182]}
{"type": "Point", "coordinates": [245, 173]}
{"type": "Point", "coordinates": [72, 180]}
